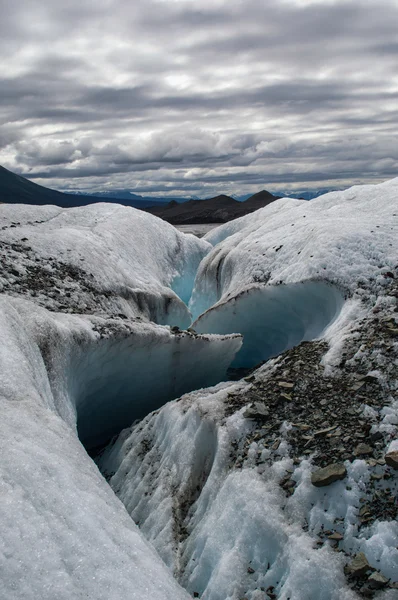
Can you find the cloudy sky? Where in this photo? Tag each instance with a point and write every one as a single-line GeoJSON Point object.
{"type": "Point", "coordinates": [197, 97]}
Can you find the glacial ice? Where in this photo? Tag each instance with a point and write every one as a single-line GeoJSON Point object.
{"type": "Point", "coordinates": [312, 269]}
{"type": "Point", "coordinates": [134, 263]}
{"type": "Point", "coordinates": [283, 273]}
{"type": "Point", "coordinates": [273, 318]}
{"type": "Point", "coordinates": [64, 533]}
{"type": "Point", "coordinates": [228, 533]}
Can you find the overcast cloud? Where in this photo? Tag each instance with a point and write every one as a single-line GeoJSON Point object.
{"type": "Point", "coordinates": [199, 97]}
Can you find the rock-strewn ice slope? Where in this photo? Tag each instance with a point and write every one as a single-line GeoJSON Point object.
{"type": "Point", "coordinates": [221, 480]}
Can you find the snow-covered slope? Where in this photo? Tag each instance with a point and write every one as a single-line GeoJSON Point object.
{"type": "Point", "coordinates": [220, 517]}
{"type": "Point", "coordinates": [221, 480]}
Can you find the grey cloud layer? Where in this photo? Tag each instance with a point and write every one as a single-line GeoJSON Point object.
{"type": "Point", "coordinates": [180, 97]}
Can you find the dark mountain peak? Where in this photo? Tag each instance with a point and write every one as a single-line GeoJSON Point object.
{"type": "Point", "coordinates": [262, 195]}
{"type": "Point", "coordinates": [15, 189]}
{"type": "Point", "coordinates": [219, 209]}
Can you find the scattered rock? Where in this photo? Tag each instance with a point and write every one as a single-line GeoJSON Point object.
{"type": "Point", "coordinates": [336, 537]}
{"type": "Point", "coordinates": [363, 450]}
{"type": "Point", "coordinates": [377, 580]}
{"type": "Point", "coordinates": [326, 430]}
{"type": "Point", "coordinates": [359, 566]}
{"type": "Point", "coordinates": [391, 459]}
{"type": "Point", "coordinates": [256, 410]}
{"type": "Point", "coordinates": [328, 475]}
{"type": "Point", "coordinates": [276, 444]}
{"type": "Point", "coordinates": [286, 384]}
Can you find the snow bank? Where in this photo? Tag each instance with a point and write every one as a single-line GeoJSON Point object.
{"type": "Point", "coordinates": [64, 533]}
{"type": "Point", "coordinates": [116, 260]}
{"type": "Point", "coordinates": [202, 490]}
{"type": "Point", "coordinates": [224, 498]}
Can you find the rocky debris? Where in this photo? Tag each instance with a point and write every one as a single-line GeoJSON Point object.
{"type": "Point", "coordinates": [391, 459]}
{"type": "Point", "coordinates": [53, 284]}
{"type": "Point", "coordinates": [258, 410]}
{"type": "Point", "coordinates": [335, 537]}
{"type": "Point", "coordinates": [328, 475]}
{"type": "Point", "coordinates": [377, 580]}
{"type": "Point", "coordinates": [363, 450]}
{"type": "Point", "coordinates": [329, 418]}
{"type": "Point", "coordinates": [286, 385]}
{"type": "Point", "coordinates": [359, 566]}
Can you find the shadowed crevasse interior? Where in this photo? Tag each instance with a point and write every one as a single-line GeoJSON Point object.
{"type": "Point", "coordinates": [273, 319]}
{"type": "Point", "coordinates": [115, 382]}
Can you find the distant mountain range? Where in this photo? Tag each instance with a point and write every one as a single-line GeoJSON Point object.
{"type": "Point", "coordinates": [15, 189]}
{"type": "Point", "coordinates": [213, 210]}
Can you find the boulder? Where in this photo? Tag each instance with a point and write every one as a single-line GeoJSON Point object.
{"type": "Point", "coordinates": [391, 459]}
{"type": "Point", "coordinates": [328, 475]}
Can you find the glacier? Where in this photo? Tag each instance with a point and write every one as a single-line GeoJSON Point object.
{"type": "Point", "coordinates": [82, 355]}
{"type": "Point", "coordinates": [117, 334]}
{"type": "Point", "coordinates": [274, 318]}
{"type": "Point", "coordinates": [238, 516]}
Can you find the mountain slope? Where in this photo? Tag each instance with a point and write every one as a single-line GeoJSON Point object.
{"type": "Point", "coordinates": [219, 209]}
{"type": "Point", "coordinates": [15, 189]}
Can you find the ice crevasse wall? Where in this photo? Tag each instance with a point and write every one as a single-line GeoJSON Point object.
{"type": "Point", "coordinates": [281, 275]}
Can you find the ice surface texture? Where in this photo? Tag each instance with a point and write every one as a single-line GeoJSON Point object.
{"type": "Point", "coordinates": [126, 275]}
{"type": "Point", "coordinates": [273, 318]}
{"type": "Point", "coordinates": [64, 533]}
{"type": "Point", "coordinates": [229, 533]}
{"type": "Point", "coordinates": [115, 260]}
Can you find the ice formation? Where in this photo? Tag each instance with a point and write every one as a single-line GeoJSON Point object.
{"type": "Point", "coordinates": [281, 273]}
{"type": "Point", "coordinates": [64, 533]}
{"type": "Point", "coordinates": [218, 481]}
{"type": "Point", "coordinates": [102, 259]}
{"type": "Point", "coordinates": [231, 533]}
{"type": "Point", "coordinates": [274, 318]}
{"type": "Point", "coordinates": [220, 516]}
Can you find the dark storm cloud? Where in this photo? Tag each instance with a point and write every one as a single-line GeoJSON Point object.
{"type": "Point", "coordinates": [169, 96]}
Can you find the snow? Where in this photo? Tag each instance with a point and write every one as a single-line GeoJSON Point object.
{"type": "Point", "coordinates": [64, 533]}
{"type": "Point", "coordinates": [292, 271]}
